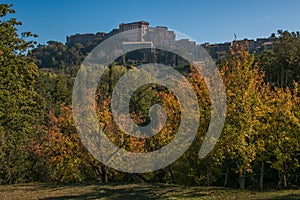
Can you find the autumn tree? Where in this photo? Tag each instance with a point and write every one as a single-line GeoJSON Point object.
{"type": "Point", "coordinates": [243, 81]}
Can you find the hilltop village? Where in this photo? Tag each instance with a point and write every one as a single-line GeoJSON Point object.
{"type": "Point", "coordinates": [151, 37]}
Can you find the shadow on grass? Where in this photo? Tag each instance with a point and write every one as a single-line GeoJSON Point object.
{"type": "Point", "coordinates": [47, 191]}
{"type": "Point", "coordinates": [144, 192]}
{"type": "Point", "coordinates": [112, 193]}
{"type": "Point", "coordinates": [287, 197]}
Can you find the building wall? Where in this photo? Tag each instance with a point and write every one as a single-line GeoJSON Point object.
{"type": "Point", "coordinates": [139, 30]}
{"type": "Point", "coordinates": [161, 36]}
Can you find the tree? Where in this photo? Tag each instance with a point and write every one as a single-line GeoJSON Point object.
{"type": "Point", "coordinates": [243, 81]}
{"type": "Point", "coordinates": [20, 106]}
{"type": "Point", "coordinates": [283, 142]}
{"type": "Point", "coordinates": [282, 64]}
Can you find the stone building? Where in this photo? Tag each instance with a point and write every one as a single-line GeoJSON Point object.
{"type": "Point", "coordinates": [219, 50]}
{"type": "Point", "coordinates": [142, 35]}
{"type": "Point", "coordinates": [161, 36]}
{"type": "Point", "coordinates": [139, 30]}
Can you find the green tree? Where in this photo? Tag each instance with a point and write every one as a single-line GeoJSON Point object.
{"type": "Point", "coordinates": [20, 105]}
{"type": "Point", "coordinates": [282, 64]}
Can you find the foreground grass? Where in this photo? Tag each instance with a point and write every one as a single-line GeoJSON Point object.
{"type": "Point", "coordinates": [134, 191]}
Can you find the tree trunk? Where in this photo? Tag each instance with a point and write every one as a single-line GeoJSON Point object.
{"type": "Point", "coordinates": [159, 175]}
{"type": "Point", "coordinates": [139, 178]}
{"type": "Point", "coordinates": [261, 178]}
{"type": "Point", "coordinates": [285, 174]}
{"type": "Point", "coordinates": [171, 174]}
{"type": "Point", "coordinates": [208, 171]}
{"type": "Point", "coordinates": [226, 177]}
{"type": "Point", "coordinates": [280, 180]}
{"type": "Point", "coordinates": [242, 181]}
{"type": "Point", "coordinates": [103, 174]}
{"type": "Point", "coordinates": [284, 180]}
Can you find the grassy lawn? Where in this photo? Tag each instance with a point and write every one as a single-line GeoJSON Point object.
{"type": "Point", "coordinates": [134, 191]}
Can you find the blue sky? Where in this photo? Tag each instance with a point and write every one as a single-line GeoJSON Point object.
{"type": "Point", "coordinates": [205, 21]}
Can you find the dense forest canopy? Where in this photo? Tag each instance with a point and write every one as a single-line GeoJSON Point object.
{"type": "Point", "coordinates": [259, 146]}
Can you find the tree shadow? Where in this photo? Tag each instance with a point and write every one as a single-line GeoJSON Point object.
{"type": "Point", "coordinates": [112, 193]}
{"type": "Point", "coordinates": [286, 197]}
{"type": "Point", "coordinates": [132, 192]}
